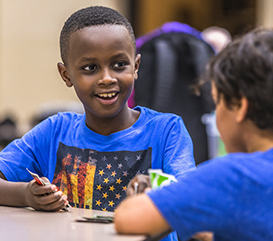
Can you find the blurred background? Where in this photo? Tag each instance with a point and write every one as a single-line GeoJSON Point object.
{"type": "Point", "coordinates": [29, 44]}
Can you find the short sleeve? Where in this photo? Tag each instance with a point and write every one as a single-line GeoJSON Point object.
{"type": "Point", "coordinates": [178, 155]}
{"type": "Point", "coordinates": [32, 151]}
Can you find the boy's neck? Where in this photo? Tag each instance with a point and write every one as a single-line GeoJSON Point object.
{"type": "Point", "coordinates": [107, 126]}
{"type": "Point", "coordinates": [261, 144]}
{"type": "Point", "coordinates": [258, 140]}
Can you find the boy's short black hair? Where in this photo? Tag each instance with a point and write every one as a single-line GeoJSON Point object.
{"type": "Point", "coordinates": [245, 69]}
{"type": "Point", "coordinates": [91, 16]}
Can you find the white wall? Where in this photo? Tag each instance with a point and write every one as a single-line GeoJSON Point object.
{"type": "Point", "coordinates": [29, 52]}
{"type": "Point", "coordinates": [265, 13]}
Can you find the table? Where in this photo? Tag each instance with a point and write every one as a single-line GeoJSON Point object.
{"type": "Point", "coordinates": [26, 224]}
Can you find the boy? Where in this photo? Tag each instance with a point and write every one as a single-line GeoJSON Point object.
{"type": "Point", "coordinates": [230, 196]}
{"type": "Point", "coordinates": [91, 158]}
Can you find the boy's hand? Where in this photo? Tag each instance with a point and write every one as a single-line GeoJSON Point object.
{"type": "Point", "coordinates": [138, 184]}
{"type": "Point", "coordinates": [45, 198]}
{"type": "Point", "coordinates": [204, 236]}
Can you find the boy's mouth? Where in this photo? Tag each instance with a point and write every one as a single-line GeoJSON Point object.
{"type": "Point", "coordinates": [107, 95]}
{"type": "Point", "coordinates": [107, 98]}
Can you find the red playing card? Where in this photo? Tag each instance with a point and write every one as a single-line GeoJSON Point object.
{"type": "Point", "coordinates": [37, 178]}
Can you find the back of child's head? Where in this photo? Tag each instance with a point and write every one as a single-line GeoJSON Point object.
{"type": "Point", "coordinates": [245, 69]}
{"type": "Point", "coordinates": [91, 16]}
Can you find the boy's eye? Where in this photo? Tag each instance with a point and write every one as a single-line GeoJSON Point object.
{"type": "Point", "coordinates": [90, 67]}
{"type": "Point", "coordinates": [120, 64]}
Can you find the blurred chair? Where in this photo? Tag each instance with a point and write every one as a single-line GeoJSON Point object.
{"type": "Point", "coordinates": [8, 131]}
{"type": "Point", "coordinates": [48, 109]}
{"type": "Point", "coordinates": [173, 59]}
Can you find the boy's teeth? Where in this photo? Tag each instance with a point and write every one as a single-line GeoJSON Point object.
{"type": "Point", "coordinates": [109, 95]}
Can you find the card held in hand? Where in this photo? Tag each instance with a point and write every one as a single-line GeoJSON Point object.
{"type": "Point", "coordinates": [41, 182]}
{"type": "Point", "coordinates": [37, 178]}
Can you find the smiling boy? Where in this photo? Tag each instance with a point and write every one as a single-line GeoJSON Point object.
{"type": "Point", "coordinates": [91, 158]}
{"type": "Point", "coordinates": [102, 67]}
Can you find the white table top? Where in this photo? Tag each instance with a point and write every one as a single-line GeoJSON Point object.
{"type": "Point", "coordinates": [26, 224]}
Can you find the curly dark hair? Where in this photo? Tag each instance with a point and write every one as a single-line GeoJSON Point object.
{"type": "Point", "coordinates": [91, 16]}
{"type": "Point", "coordinates": [245, 69]}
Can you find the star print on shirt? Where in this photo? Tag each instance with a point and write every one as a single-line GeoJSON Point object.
{"type": "Point", "coordinates": [105, 195]}
{"type": "Point", "coordinates": [125, 173]}
{"type": "Point", "coordinates": [104, 158]}
{"type": "Point", "coordinates": [113, 174]}
{"type": "Point", "coordinates": [138, 157]}
{"type": "Point", "coordinates": [111, 203]}
{"type": "Point", "coordinates": [98, 180]}
{"type": "Point", "coordinates": [99, 187]}
{"type": "Point", "coordinates": [106, 180]}
{"type": "Point", "coordinates": [124, 188]}
{"type": "Point", "coordinates": [124, 167]}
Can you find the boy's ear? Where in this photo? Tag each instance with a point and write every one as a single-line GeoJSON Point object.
{"type": "Point", "coordinates": [242, 110]}
{"type": "Point", "coordinates": [137, 63]}
{"type": "Point", "coordinates": [64, 74]}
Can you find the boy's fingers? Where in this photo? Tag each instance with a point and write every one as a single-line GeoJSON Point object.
{"type": "Point", "coordinates": [45, 180]}
{"type": "Point", "coordinates": [45, 198]}
{"type": "Point", "coordinates": [142, 187]}
{"type": "Point", "coordinates": [48, 199]}
{"type": "Point", "coordinates": [54, 206]}
{"type": "Point", "coordinates": [37, 189]}
{"type": "Point", "coordinates": [130, 191]}
{"type": "Point", "coordinates": [143, 178]}
{"type": "Point", "coordinates": [58, 205]}
{"type": "Point", "coordinates": [204, 236]}
{"type": "Point", "coordinates": [130, 187]}
{"type": "Point", "coordinates": [143, 182]}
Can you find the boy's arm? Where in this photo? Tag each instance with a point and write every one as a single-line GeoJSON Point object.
{"type": "Point", "coordinates": [138, 215]}
{"type": "Point", "coordinates": [12, 194]}
{"type": "Point", "coordinates": [2, 176]}
{"type": "Point", "coordinates": [30, 194]}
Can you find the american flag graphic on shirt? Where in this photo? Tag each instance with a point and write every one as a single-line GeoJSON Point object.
{"type": "Point", "coordinates": [97, 180]}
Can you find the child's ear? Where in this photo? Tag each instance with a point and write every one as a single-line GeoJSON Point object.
{"type": "Point", "coordinates": [137, 63]}
{"type": "Point", "coordinates": [242, 110]}
{"type": "Point", "coordinates": [64, 74]}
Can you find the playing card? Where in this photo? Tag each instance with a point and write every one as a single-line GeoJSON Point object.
{"type": "Point", "coordinates": [97, 219]}
{"type": "Point", "coordinates": [37, 178]}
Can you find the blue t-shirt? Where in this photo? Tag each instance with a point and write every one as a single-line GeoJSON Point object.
{"type": "Point", "coordinates": [230, 196]}
{"type": "Point", "coordinates": [94, 170]}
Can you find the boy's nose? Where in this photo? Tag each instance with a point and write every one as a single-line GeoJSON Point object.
{"type": "Point", "coordinates": [107, 78]}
